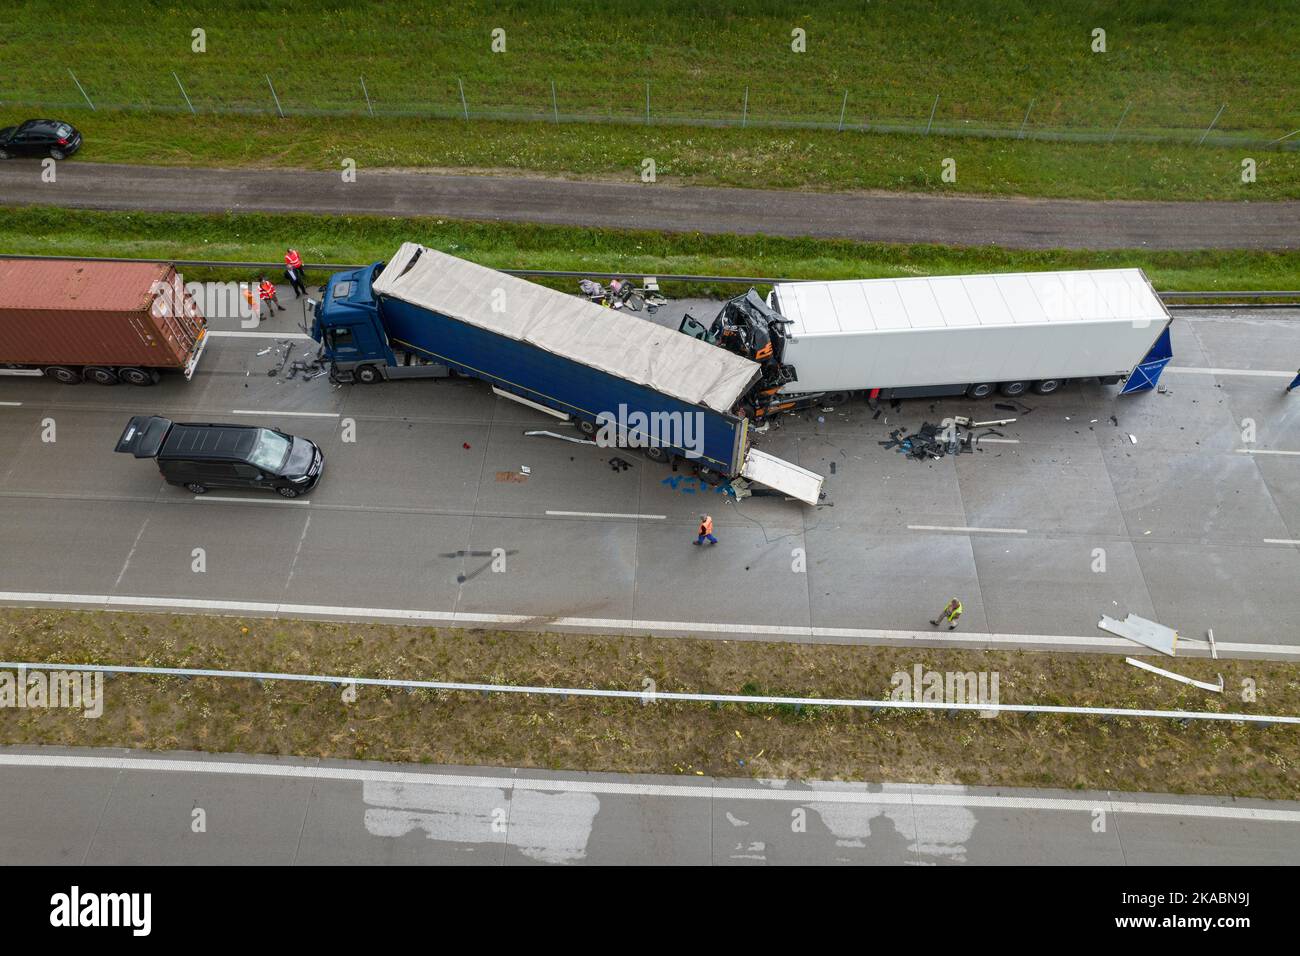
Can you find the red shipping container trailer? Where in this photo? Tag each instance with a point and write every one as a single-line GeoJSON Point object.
{"type": "Point", "coordinates": [97, 321]}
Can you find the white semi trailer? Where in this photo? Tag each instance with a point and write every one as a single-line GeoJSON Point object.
{"type": "Point", "coordinates": [972, 335]}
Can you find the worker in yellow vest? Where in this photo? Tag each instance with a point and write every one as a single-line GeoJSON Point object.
{"type": "Point", "coordinates": [706, 530]}
{"type": "Point", "coordinates": [950, 614]}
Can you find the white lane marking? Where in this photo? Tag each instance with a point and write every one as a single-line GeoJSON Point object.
{"type": "Point", "coordinates": [11, 404]}
{"type": "Point", "coordinates": [1282, 540]}
{"type": "Point", "coordinates": [130, 554]}
{"type": "Point", "coordinates": [1259, 373]}
{"type": "Point", "coordinates": [1264, 451]}
{"type": "Point", "coordinates": [212, 333]}
{"type": "Point", "coordinates": [255, 501]}
{"type": "Point", "coordinates": [777, 791]}
{"type": "Point", "coordinates": [273, 411]}
{"type": "Point", "coordinates": [921, 638]}
{"type": "Point", "coordinates": [603, 514]}
{"type": "Point", "coordinates": [961, 530]}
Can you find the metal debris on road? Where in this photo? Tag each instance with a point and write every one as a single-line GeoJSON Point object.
{"type": "Point", "coordinates": [1158, 637]}
{"type": "Point", "coordinates": [546, 434]}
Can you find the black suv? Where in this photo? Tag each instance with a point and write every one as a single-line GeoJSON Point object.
{"type": "Point", "coordinates": [200, 457]}
{"type": "Point", "coordinates": [40, 137]}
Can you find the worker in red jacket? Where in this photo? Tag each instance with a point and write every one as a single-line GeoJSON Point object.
{"type": "Point", "coordinates": [706, 530]}
{"type": "Point", "coordinates": [266, 292]}
{"type": "Point", "coordinates": [293, 269]}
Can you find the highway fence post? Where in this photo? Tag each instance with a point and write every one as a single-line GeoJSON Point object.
{"type": "Point", "coordinates": [744, 109]}
{"type": "Point", "coordinates": [279, 109]}
{"type": "Point", "coordinates": [1127, 107]}
{"type": "Point", "coordinates": [934, 106]}
{"type": "Point", "coordinates": [555, 103]}
{"type": "Point", "coordinates": [183, 93]}
{"type": "Point", "coordinates": [365, 92]}
{"type": "Point", "coordinates": [1211, 126]}
{"type": "Point", "coordinates": [843, 106]}
{"type": "Point", "coordinates": [1025, 121]}
{"type": "Point", "coordinates": [463, 105]}
{"type": "Point", "coordinates": [82, 88]}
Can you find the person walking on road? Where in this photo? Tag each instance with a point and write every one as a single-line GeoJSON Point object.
{"type": "Point", "coordinates": [706, 530]}
{"type": "Point", "coordinates": [1295, 382]}
{"type": "Point", "coordinates": [293, 269]}
{"type": "Point", "coordinates": [950, 614]}
{"type": "Point", "coordinates": [266, 291]}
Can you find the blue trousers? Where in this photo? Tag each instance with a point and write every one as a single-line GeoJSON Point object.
{"type": "Point", "coordinates": [712, 539]}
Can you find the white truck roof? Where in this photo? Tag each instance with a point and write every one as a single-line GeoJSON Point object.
{"type": "Point", "coordinates": [629, 348]}
{"type": "Point", "coordinates": [1004, 299]}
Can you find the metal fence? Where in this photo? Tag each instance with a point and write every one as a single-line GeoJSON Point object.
{"type": "Point", "coordinates": [1043, 117]}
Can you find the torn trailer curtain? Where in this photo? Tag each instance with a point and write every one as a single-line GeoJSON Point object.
{"type": "Point", "coordinates": [634, 349]}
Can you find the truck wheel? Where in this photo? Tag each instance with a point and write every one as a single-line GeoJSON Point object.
{"type": "Point", "coordinates": [367, 375]}
{"type": "Point", "coordinates": [101, 376]}
{"type": "Point", "coordinates": [196, 488]}
{"type": "Point", "coordinates": [1012, 389]}
{"type": "Point", "coordinates": [980, 390]}
{"type": "Point", "coordinates": [1047, 386]}
{"type": "Point", "coordinates": [63, 375]}
{"type": "Point", "coordinates": [835, 398]}
{"type": "Point", "coordinates": [586, 427]}
{"type": "Point", "coordinates": [138, 376]}
{"type": "Point", "coordinates": [655, 453]}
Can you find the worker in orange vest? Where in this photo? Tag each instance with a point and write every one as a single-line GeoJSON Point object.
{"type": "Point", "coordinates": [706, 530]}
{"type": "Point", "coordinates": [293, 269]}
{"type": "Point", "coordinates": [266, 291]}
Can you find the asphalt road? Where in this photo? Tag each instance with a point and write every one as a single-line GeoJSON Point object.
{"type": "Point", "coordinates": [875, 217]}
{"type": "Point", "coordinates": [1062, 520]}
{"type": "Point", "coordinates": [66, 806]}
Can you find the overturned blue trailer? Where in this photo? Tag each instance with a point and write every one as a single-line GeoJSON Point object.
{"type": "Point", "coordinates": [624, 381]}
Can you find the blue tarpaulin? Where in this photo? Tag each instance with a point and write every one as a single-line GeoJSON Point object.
{"type": "Point", "coordinates": [1147, 374]}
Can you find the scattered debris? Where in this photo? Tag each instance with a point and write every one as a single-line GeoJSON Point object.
{"type": "Point", "coordinates": [1141, 631]}
{"type": "Point", "coordinates": [1132, 438]}
{"type": "Point", "coordinates": [525, 470]}
{"type": "Point", "coordinates": [1000, 421]}
{"type": "Point", "coordinates": [619, 464]}
{"type": "Point", "coordinates": [576, 441]}
{"type": "Point", "coordinates": [1204, 685]}
{"type": "Point", "coordinates": [264, 351]}
{"type": "Point", "coordinates": [930, 441]}
{"type": "Point", "coordinates": [511, 476]}
{"type": "Point", "coordinates": [1214, 648]}
{"type": "Point", "coordinates": [1114, 421]}
{"type": "Point", "coordinates": [465, 445]}
{"type": "Point", "coordinates": [833, 468]}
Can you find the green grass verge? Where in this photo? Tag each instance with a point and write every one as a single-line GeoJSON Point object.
{"type": "Point", "coordinates": [360, 239]}
{"type": "Point", "coordinates": [768, 159]}
{"type": "Point", "coordinates": [211, 714]}
{"type": "Point", "coordinates": [1173, 63]}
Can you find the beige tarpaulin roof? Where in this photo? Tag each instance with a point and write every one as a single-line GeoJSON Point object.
{"type": "Point", "coordinates": [630, 348]}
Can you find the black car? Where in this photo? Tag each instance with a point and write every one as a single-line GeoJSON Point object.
{"type": "Point", "coordinates": [203, 456]}
{"type": "Point", "coordinates": [40, 137]}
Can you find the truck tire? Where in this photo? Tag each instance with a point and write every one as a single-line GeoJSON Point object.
{"type": "Point", "coordinates": [835, 398]}
{"type": "Point", "coordinates": [1012, 389]}
{"type": "Point", "coordinates": [100, 375]}
{"type": "Point", "coordinates": [1047, 386]}
{"type": "Point", "coordinates": [367, 375]}
{"type": "Point", "coordinates": [195, 488]}
{"type": "Point", "coordinates": [64, 375]}
{"type": "Point", "coordinates": [586, 427]}
{"type": "Point", "coordinates": [980, 390]}
{"type": "Point", "coordinates": [138, 376]}
{"type": "Point", "coordinates": [656, 454]}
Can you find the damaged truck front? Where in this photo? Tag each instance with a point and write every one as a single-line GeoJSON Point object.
{"type": "Point", "coordinates": [623, 381]}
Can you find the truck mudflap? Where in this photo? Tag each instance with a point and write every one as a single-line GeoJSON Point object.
{"type": "Point", "coordinates": [1147, 374]}
{"type": "Point", "coordinates": [783, 476]}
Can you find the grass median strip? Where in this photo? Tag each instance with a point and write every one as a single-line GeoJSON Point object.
{"type": "Point", "coordinates": [360, 239]}
{"type": "Point", "coordinates": [761, 740]}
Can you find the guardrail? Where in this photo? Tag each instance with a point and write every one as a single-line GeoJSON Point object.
{"type": "Point", "coordinates": [1173, 298]}
{"type": "Point", "coordinates": [651, 696]}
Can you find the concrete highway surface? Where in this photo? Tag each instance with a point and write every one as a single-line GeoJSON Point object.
{"type": "Point", "coordinates": [1062, 518]}
{"type": "Point", "coordinates": [128, 807]}
{"type": "Point", "coordinates": [875, 217]}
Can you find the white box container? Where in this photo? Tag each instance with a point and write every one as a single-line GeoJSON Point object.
{"type": "Point", "coordinates": [962, 330]}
